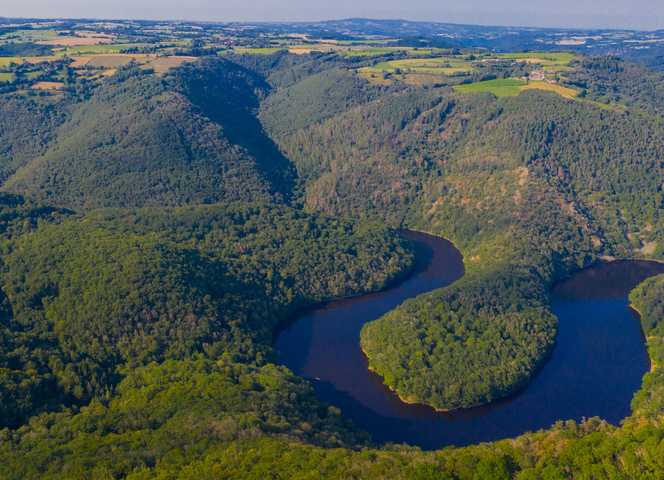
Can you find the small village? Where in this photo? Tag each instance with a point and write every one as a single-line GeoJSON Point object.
{"type": "Point", "coordinates": [539, 76]}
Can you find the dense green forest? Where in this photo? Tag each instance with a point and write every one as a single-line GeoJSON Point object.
{"type": "Point", "coordinates": [86, 298]}
{"type": "Point", "coordinates": [139, 140]}
{"type": "Point", "coordinates": [155, 229]}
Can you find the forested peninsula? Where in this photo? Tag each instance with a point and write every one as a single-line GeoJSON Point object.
{"type": "Point", "coordinates": [158, 222]}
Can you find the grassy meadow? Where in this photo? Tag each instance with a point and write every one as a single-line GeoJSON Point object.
{"type": "Point", "coordinates": [500, 88]}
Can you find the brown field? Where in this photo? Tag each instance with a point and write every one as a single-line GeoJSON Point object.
{"type": "Point", "coordinates": [75, 41]}
{"type": "Point", "coordinates": [162, 64]}
{"type": "Point", "coordinates": [80, 61]}
{"type": "Point", "coordinates": [48, 85]}
{"type": "Point", "coordinates": [110, 61]}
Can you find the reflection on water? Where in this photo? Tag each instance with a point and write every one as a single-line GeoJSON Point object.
{"type": "Point", "coordinates": [595, 369]}
{"type": "Point", "coordinates": [607, 280]}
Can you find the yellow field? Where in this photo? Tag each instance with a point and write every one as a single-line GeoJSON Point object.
{"type": "Point", "coordinates": [47, 85]}
{"type": "Point", "coordinates": [299, 51]}
{"type": "Point", "coordinates": [565, 92]}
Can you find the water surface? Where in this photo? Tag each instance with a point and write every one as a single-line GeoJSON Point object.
{"type": "Point", "coordinates": [594, 370]}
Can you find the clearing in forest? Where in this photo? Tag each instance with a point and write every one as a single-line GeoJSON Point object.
{"type": "Point", "coordinates": [500, 88]}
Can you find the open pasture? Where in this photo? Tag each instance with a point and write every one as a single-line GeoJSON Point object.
{"type": "Point", "coordinates": [511, 87]}
{"type": "Point", "coordinates": [4, 61]}
{"type": "Point", "coordinates": [500, 88]}
{"type": "Point", "coordinates": [92, 49]}
{"type": "Point", "coordinates": [545, 60]}
{"type": "Point", "coordinates": [433, 66]}
{"type": "Point", "coordinates": [556, 57]}
{"type": "Point", "coordinates": [34, 35]}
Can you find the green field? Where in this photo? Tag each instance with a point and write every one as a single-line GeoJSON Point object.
{"type": "Point", "coordinates": [256, 50]}
{"type": "Point", "coordinates": [7, 60]}
{"type": "Point", "coordinates": [94, 49]}
{"type": "Point", "coordinates": [546, 56]}
{"type": "Point", "coordinates": [433, 66]}
{"type": "Point", "coordinates": [358, 51]}
{"type": "Point", "coordinates": [500, 88]}
{"type": "Point", "coordinates": [35, 35]}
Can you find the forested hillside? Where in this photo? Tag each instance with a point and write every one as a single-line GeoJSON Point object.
{"type": "Point", "coordinates": [528, 187]}
{"type": "Point", "coordinates": [138, 140]}
{"type": "Point", "coordinates": [88, 298]}
{"type": "Point", "coordinates": [137, 311]}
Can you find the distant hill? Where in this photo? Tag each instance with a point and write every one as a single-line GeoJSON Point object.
{"type": "Point", "coordinates": [420, 42]}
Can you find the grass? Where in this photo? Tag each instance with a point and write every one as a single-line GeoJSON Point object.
{"type": "Point", "coordinates": [93, 49]}
{"type": "Point", "coordinates": [5, 77]}
{"type": "Point", "coordinates": [433, 66]}
{"type": "Point", "coordinates": [7, 60]}
{"type": "Point", "coordinates": [543, 56]}
{"type": "Point", "coordinates": [510, 87]}
{"type": "Point", "coordinates": [500, 88]}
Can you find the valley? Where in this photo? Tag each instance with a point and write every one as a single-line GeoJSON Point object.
{"type": "Point", "coordinates": [171, 193]}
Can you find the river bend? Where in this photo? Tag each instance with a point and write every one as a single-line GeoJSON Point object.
{"type": "Point", "coordinates": [595, 369]}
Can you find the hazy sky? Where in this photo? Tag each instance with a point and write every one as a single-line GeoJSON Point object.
{"type": "Point", "coordinates": [628, 14]}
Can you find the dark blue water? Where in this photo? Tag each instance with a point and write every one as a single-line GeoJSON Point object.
{"type": "Point", "coordinates": [594, 371]}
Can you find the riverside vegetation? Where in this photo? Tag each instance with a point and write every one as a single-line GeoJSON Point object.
{"type": "Point", "coordinates": [156, 228]}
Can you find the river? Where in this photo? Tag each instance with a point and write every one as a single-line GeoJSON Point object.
{"type": "Point", "coordinates": [595, 369]}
